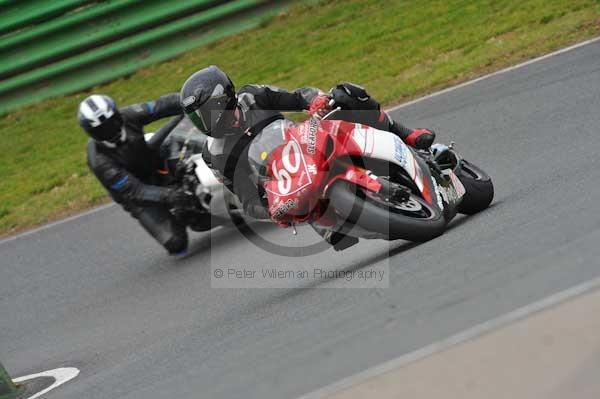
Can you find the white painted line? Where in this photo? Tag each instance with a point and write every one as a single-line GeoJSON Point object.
{"type": "Point", "coordinates": [60, 375]}
{"type": "Point", "coordinates": [456, 339]}
{"type": "Point", "coordinates": [447, 90]}
{"type": "Point", "coordinates": [500, 72]}
{"type": "Point", "coordinates": [56, 223]}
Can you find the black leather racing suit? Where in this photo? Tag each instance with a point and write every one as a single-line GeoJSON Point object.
{"type": "Point", "coordinates": [258, 106]}
{"type": "Point", "coordinates": [129, 172]}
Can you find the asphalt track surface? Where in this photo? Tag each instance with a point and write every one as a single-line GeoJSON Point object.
{"type": "Point", "coordinates": [98, 294]}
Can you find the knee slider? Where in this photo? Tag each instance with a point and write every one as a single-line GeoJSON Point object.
{"type": "Point", "coordinates": [176, 244]}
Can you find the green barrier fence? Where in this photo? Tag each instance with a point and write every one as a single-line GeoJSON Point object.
{"type": "Point", "coordinates": [63, 22]}
{"type": "Point", "coordinates": [105, 40]}
{"type": "Point", "coordinates": [88, 33]}
{"type": "Point", "coordinates": [20, 14]}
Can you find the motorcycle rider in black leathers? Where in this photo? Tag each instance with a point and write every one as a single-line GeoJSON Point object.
{"type": "Point", "coordinates": [127, 166]}
{"type": "Point", "coordinates": [209, 99]}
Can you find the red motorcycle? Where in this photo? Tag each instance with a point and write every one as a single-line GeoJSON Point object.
{"type": "Point", "coordinates": [367, 182]}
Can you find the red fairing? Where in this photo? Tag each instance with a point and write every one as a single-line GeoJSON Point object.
{"type": "Point", "coordinates": [420, 178]}
{"type": "Point", "coordinates": [348, 146]}
{"type": "Point", "coordinates": [358, 176]}
{"type": "Point", "coordinates": [426, 191]}
{"type": "Point", "coordinates": [299, 170]}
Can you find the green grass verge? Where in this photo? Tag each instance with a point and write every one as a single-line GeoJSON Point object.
{"type": "Point", "coordinates": [397, 49]}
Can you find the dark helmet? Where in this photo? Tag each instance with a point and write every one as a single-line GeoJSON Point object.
{"type": "Point", "coordinates": [205, 96]}
{"type": "Point", "coordinates": [99, 117]}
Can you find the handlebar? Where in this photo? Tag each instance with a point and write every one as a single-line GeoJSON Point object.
{"type": "Point", "coordinates": [333, 111]}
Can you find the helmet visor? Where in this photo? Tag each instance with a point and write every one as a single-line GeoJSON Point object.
{"type": "Point", "coordinates": [109, 130]}
{"type": "Point", "coordinates": [208, 115]}
{"type": "Point", "coordinates": [198, 119]}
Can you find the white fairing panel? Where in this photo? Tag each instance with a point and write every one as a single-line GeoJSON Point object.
{"type": "Point", "coordinates": [386, 146]}
{"type": "Point", "coordinates": [205, 174]}
{"type": "Point", "coordinates": [209, 184]}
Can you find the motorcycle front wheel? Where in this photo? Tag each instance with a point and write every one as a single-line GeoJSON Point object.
{"type": "Point", "coordinates": [411, 219]}
{"type": "Point", "coordinates": [478, 186]}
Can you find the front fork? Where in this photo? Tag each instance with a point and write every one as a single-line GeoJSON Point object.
{"type": "Point", "coordinates": [356, 175]}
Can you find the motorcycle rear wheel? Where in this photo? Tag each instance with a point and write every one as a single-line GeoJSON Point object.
{"type": "Point", "coordinates": [412, 220]}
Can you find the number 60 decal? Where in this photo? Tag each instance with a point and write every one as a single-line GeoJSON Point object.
{"type": "Point", "coordinates": [290, 166]}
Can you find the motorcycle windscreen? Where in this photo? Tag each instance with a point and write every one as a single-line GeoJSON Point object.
{"type": "Point", "coordinates": [263, 145]}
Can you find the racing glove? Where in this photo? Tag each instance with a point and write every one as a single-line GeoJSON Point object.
{"type": "Point", "coordinates": [319, 106]}
{"type": "Point", "coordinates": [178, 198]}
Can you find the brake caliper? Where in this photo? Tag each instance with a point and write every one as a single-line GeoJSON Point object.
{"type": "Point", "coordinates": [391, 191]}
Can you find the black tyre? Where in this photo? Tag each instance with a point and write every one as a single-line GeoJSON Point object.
{"type": "Point", "coordinates": [479, 189]}
{"type": "Point", "coordinates": [412, 220]}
